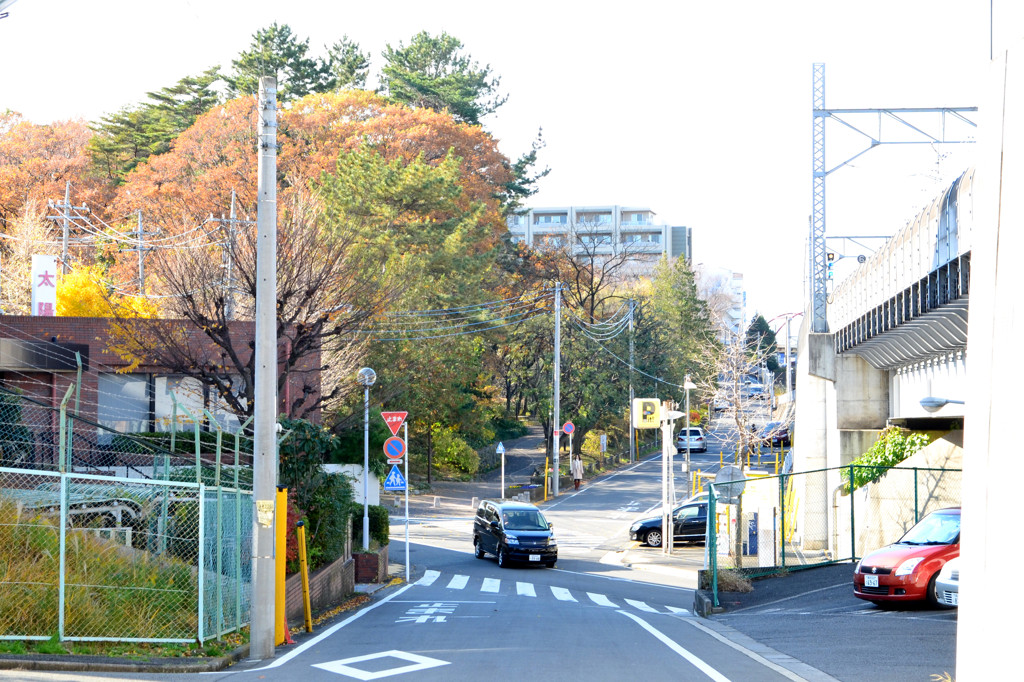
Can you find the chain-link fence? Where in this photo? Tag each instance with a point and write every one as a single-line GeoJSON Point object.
{"type": "Point", "coordinates": [767, 524]}
{"type": "Point", "coordinates": [156, 554]}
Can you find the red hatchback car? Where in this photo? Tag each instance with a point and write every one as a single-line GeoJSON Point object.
{"type": "Point", "coordinates": [906, 570]}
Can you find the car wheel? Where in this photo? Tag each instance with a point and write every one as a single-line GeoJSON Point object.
{"type": "Point", "coordinates": [502, 558]}
{"type": "Point", "coordinates": [478, 551]}
{"type": "Point", "coordinates": [653, 538]}
{"type": "Point", "coordinates": [933, 594]}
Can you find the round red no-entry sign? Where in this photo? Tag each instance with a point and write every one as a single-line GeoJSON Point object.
{"type": "Point", "coordinates": [394, 447]}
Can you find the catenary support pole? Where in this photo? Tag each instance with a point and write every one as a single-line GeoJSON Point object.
{"type": "Point", "coordinates": [632, 431]}
{"type": "Point", "coordinates": [265, 408]}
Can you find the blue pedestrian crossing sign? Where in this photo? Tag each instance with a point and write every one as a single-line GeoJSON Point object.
{"type": "Point", "coordinates": [394, 482]}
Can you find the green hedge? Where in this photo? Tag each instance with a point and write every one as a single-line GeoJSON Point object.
{"type": "Point", "coordinates": [380, 525]}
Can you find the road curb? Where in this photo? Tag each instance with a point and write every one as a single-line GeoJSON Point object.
{"type": "Point", "coordinates": [106, 664]}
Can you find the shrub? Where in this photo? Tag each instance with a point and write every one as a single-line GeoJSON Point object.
{"type": "Point", "coordinates": [892, 447]}
{"type": "Point", "coordinates": [380, 524]}
{"type": "Point", "coordinates": [451, 452]}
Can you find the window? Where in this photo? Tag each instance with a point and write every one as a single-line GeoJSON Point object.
{"type": "Point", "coordinates": [123, 404]}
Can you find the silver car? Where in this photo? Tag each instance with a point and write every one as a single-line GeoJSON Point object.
{"type": "Point", "coordinates": [698, 441]}
{"type": "Point", "coordinates": [947, 584]}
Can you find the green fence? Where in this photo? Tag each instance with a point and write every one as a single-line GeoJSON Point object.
{"type": "Point", "coordinates": [160, 554]}
{"type": "Point", "coordinates": [765, 525]}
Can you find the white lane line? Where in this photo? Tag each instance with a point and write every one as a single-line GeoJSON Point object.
{"type": "Point", "coordinates": [491, 585]}
{"type": "Point", "coordinates": [664, 639]}
{"type": "Point", "coordinates": [678, 611]}
{"type": "Point", "coordinates": [525, 590]}
{"type": "Point", "coordinates": [785, 672]}
{"type": "Point", "coordinates": [562, 594]}
{"type": "Point", "coordinates": [328, 632]}
{"type": "Point", "coordinates": [601, 600]}
{"type": "Point", "coordinates": [642, 606]}
{"type": "Point", "coordinates": [428, 578]}
{"type": "Point", "coordinates": [458, 582]}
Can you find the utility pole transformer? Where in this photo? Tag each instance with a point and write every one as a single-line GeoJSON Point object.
{"type": "Point", "coordinates": [265, 412]}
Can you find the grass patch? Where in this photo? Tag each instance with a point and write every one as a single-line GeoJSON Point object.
{"type": "Point", "coordinates": [12, 647]}
{"type": "Point", "coordinates": [50, 646]}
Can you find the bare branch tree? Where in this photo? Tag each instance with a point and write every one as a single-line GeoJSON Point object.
{"type": "Point", "coordinates": [324, 299]}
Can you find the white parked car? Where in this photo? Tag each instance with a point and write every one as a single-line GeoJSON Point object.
{"type": "Point", "coordinates": [947, 585]}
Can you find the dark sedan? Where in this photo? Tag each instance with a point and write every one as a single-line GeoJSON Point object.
{"type": "Point", "coordinates": [777, 433]}
{"type": "Point", "coordinates": [690, 525]}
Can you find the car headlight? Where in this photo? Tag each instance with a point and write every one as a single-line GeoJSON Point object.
{"type": "Point", "coordinates": [552, 542]}
{"type": "Point", "coordinates": [511, 540]}
{"type": "Point", "coordinates": [908, 566]}
{"type": "Point", "coordinates": [856, 569]}
{"type": "Point", "coordinates": [634, 528]}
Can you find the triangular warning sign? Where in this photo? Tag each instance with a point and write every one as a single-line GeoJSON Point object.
{"type": "Point", "coordinates": [394, 420]}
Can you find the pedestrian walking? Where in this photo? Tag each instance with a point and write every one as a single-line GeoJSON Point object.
{"type": "Point", "coordinates": [576, 469]}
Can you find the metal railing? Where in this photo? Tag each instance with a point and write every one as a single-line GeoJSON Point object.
{"type": "Point", "coordinates": [770, 524]}
{"type": "Point", "coordinates": [161, 554]}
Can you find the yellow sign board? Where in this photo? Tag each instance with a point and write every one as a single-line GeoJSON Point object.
{"type": "Point", "coordinates": [646, 413]}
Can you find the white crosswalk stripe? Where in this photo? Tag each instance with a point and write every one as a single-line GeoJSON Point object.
{"type": "Point", "coordinates": [562, 594]}
{"type": "Point", "coordinates": [460, 581]}
{"type": "Point", "coordinates": [642, 606]}
{"type": "Point", "coordinates": [428, 578]}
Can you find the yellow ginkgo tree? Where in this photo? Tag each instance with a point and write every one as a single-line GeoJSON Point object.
{"type": "Point", "coordinates": [84, 292]}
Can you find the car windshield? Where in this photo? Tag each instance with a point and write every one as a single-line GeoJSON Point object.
{"type": "Point", "coordinates": [934, 529]}
{"type": "Point", "coordinates": [526, 519]}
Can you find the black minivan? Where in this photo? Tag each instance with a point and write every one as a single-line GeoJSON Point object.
{"type": "Point", "coordinates": [513, 531]}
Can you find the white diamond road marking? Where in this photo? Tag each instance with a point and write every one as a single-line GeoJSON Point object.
{"type": "Point", "coordinates": [562, 594]}
{"type": "Point", "coordinates": [601, 600]}
{"type": "Point", "coordinates": [458, 582]}
{"type": "Point", "coordinates": [490, 585]}
{"type": "Point", "coordinates": [417, 662]}
{"type": "Point", "coordinates": [428, 577]}
{"type": "Point", "coordinates": [525, 590]}
{"type": "Point", "coordinates": [642, 606]}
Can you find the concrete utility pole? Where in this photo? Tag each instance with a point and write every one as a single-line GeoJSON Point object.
{"type": "Point", "coordinates": [65, 218]}
{"type": "Point", "coordinates": [632, 431]}
{"type": "Point", "coordinates": [556, 426]}
{"type": "Point", "coordinates": [265, 412]}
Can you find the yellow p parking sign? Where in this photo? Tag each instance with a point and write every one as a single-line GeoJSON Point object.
{"type": "Point", "coordinates": [646, 413]}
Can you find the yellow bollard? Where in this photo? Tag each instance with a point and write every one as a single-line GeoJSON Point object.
{"type": "Point", "coordinates": [280, 556]}
{"type": "Point", "coordinates": [545, 479]}
{"type": "Point", "coordinates": [300, 528]}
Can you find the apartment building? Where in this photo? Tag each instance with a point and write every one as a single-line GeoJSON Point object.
{"type": "Point", "coordinates": [603, 230]}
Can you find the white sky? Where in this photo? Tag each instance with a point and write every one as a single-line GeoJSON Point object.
{"type": "Point", "coordinates": [698, 110]}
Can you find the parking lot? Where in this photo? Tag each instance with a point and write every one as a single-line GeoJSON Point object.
{"type": "Point", "coordinates": [812, 615]}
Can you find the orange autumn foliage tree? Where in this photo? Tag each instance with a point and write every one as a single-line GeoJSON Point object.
{"type": "Point", "coordinates": [179, 190]}
{"type": "Point", "coordinates": [37, 160]}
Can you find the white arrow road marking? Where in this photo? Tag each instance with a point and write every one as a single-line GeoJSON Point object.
{"type": "Point", "coordinates": [562, 594]}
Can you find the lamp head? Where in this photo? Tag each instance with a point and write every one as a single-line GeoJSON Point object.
{"type": "Point", "coordinates": [933, 404]}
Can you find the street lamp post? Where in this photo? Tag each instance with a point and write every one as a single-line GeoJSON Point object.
{"type": "Point", "coordinates": [366, 377]}
{"type": "Point", "coordinates": [687, 385]}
